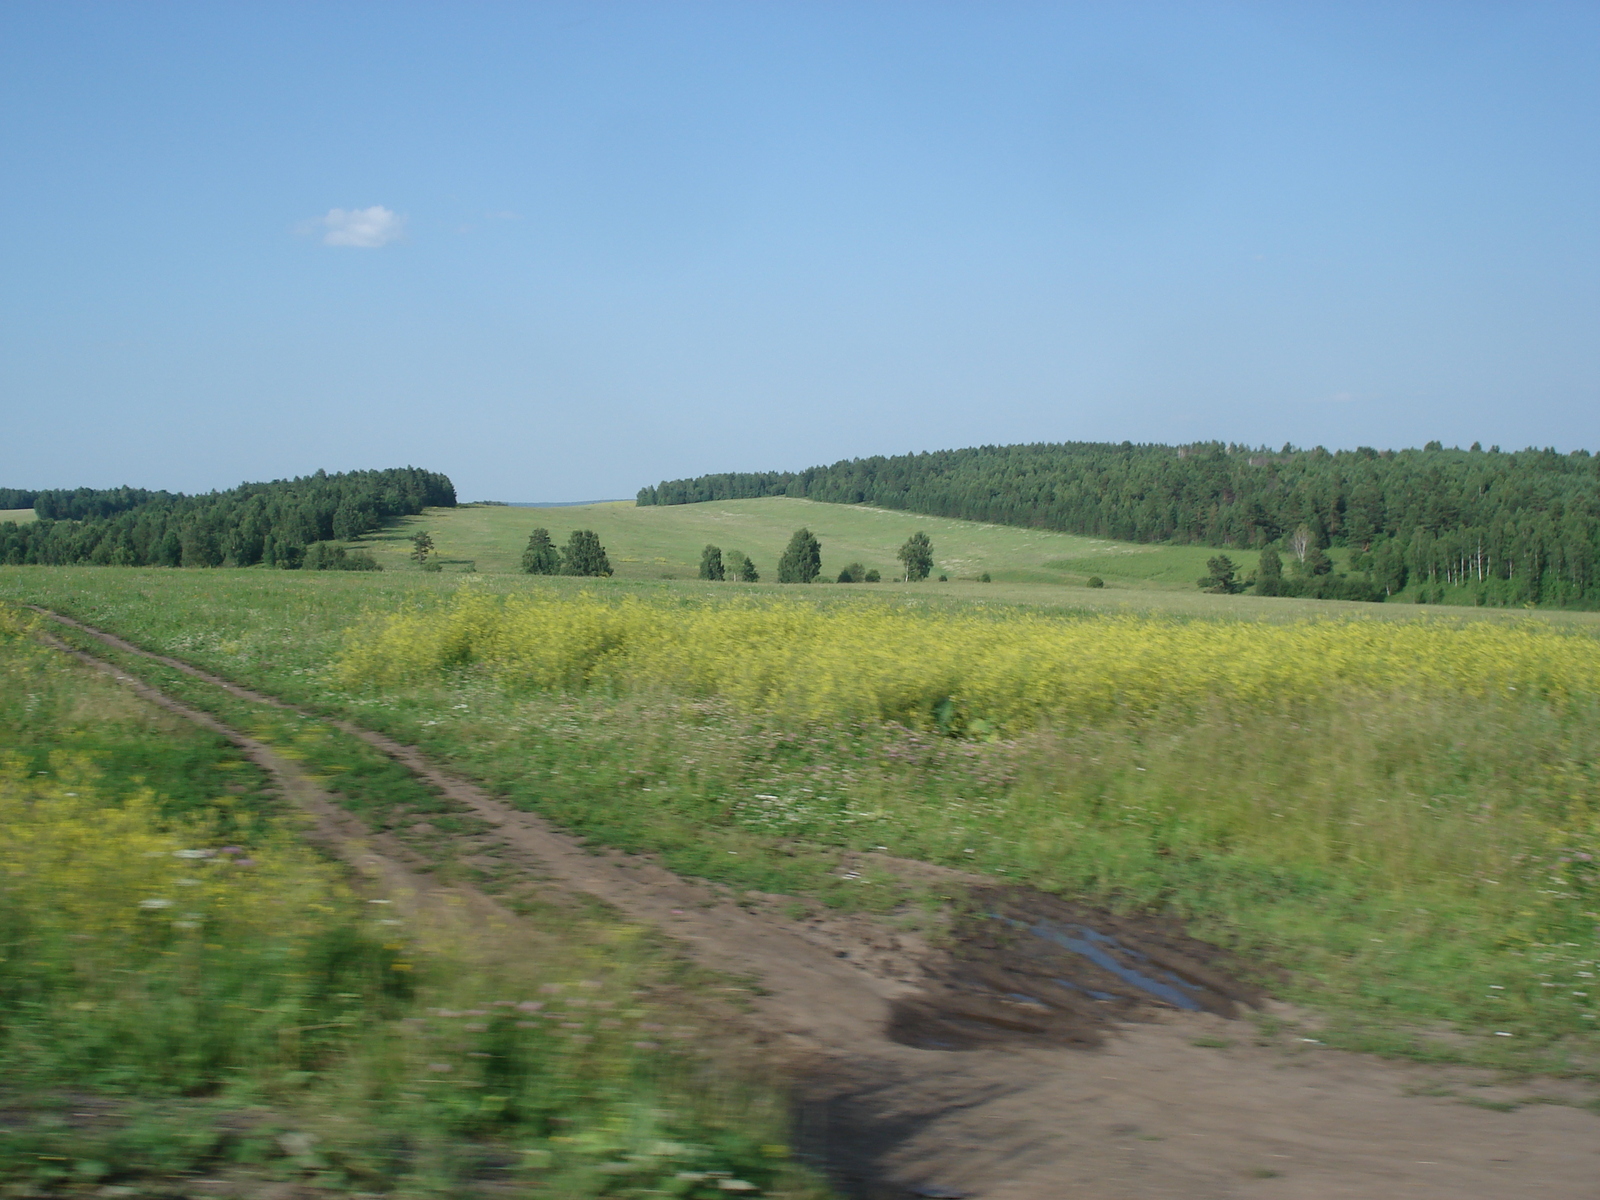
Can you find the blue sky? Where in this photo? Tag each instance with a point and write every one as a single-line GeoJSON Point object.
{"type": "Point", "coordinates": [562, 250]}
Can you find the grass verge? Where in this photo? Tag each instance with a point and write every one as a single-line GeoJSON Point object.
{"type": "Point", "coordinates": [187, 988]}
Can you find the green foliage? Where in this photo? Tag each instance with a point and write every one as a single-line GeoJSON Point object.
{"type": "Point", "coordinates": [872, 576]}
{"type": "Point", "coordinates": [267, 523]}
{"type": "Point", "coordinates": [802, 559]}
{"type": "Point", "coordinates": [1433, 824]}
{"type": "Point", "coordinates": [741, 568]}
{"type": "Point", "coordinates": [256, 1017]}
{"type": "Point", "coordinates": [1316, 562]}
{"type": "Point", "coordinates": [1221, 578]}
{"type": "Point", "coordinates": [1095, 581]}
{"type": "Point", "coordinates": [1269, 574]}
{"type": "Point", "coordinates": [541, 557]}
{"type": "Point", "coordinates": [985, 578]}
{"type": "Point", "coordinates": [421, 546]}
{"type": "Point", "coordinates": [1528, 519]}
{"type": "Point", "coordinates": [711, 566]}
{"type": "Point", "coordinates": [584, 555]}
{"type": "Point", "coordinates": [325, 556]}
{"type": "Point", "coordinates": [853, 573]}
{"type": "Point", "coordinates": [917, 555]}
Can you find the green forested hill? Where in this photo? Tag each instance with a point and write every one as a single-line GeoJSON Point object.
{"type": "Point", "coordinates": [269, 523]}
{"type": "Point", "coordinates": [1520, 527]}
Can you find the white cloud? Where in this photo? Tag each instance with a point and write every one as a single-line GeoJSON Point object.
{"type": "Point", "coordinates": [367, 228]}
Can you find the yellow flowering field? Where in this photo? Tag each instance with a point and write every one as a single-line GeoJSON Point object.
{"type": "Point", "coordinates": [982, 668]}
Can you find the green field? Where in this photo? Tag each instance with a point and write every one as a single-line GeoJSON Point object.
{"type": "Point", "coordinates": [662, 545]}
{"type": "Point", "coordinates": [189, 989]}
{"type": "Point", "coordinates": [665, 542]}
{"type": "Point", "coordinates": [1388, 842]}
{"type": "Point", "coordinates": [18, 515]}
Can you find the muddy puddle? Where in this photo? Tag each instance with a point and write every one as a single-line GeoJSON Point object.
{"type": "Point", "coordinates": [1023, 966]}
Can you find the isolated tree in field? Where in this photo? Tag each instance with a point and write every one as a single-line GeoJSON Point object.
{"type": "Point", "coordinates": [738, 566]}
{"type": "Point", "coordinates": [872, 576]}
{"type": "Point", "coordinates": [711, 563]}
{"type": "Point", "coordinates": [1222, 577]}
{"type": "Point", "coordinates": [917, 555]}
{"type": "Point", "coordinates": [584, 555]}
{"type": "Point", "coordinates": [854, 573]}
{"type": "Point", "coordinates": [802, 559]}
{"type": "Point", "coordinates": [541, 557]}
{"type": "Point", "coordinates": [421, 546]}
{"type": "Point", "coordinates": [1269, 574]}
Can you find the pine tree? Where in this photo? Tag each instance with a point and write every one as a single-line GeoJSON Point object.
{"type": "Point", "coordinates": [854, 573]}
{"type": "Point", "coordinates": [1269, 574]}
{"type": "Point", "coordinates": [541, 557]}
{"type": "Point", "coordinates": [421, 546]}
{"type": "Point", "coordinates": [1222, 575]}
{"type": "Point", "coordinates": [584, 555]}
{"type": "Point", "coordinates": [802, 560]}
{"type": "Point", "coordinates": [917, 555]}
{"type": "Point", "coordinates": [711, 563]}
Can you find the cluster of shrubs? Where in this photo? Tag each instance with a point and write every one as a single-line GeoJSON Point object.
{"type": "Point", "coordinates": [582, 555]}
{"type": "Point", "coordinates": [801, 562]}
{"type": "Point", "coordinates": [1310, 576]}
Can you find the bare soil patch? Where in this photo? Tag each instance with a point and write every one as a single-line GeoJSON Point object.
{"type": "Point", "coordinates": [1026, 967]}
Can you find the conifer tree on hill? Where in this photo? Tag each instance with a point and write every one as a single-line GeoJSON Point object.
{"type": "Point", "coordinates": [421, 547]}
{"type": "Point", "coordinates": [541, 557]}
{"type": "Point", "coordinates": [584, 555]}
{"type": "Point", "coordinates": [802, 559]}
{"type": "Point", "coordinates": [711, 563]}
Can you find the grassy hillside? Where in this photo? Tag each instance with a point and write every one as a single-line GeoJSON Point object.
{"type": "Point", "coordinates": [18, 515]}
{"type": "Point", "coordinates": [651, 546]}
{"type": "Point", "coordinates": [665, 542]}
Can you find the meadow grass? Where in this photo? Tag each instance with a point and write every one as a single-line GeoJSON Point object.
{"type": "Point", "coordinates": [1413, 846]}
{"type": "Point", "coordinates": [665, 541]}
{"type": "Point", "coordinates": [217, 997]}
{"type": "Point", "coordinates": [1027, 566]}
{"type": "Point", "coordinates": [19, 515]}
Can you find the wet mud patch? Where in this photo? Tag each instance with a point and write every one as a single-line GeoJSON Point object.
{"type": "Point", "coordinates": [1026, 967]}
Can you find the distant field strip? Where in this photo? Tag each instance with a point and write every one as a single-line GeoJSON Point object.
{"type": "Point", "coordinates": [1010, 670]}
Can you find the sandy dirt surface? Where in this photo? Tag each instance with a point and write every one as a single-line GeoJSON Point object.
{"type": "Point", "coordinates": [1125, 1097]}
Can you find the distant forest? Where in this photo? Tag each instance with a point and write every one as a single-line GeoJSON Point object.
{"type": "Point", "coordinates": [267, 523]}
{"type": "Point", "coordinates": [1483, 526]}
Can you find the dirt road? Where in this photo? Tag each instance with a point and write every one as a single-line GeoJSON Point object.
{"type": "Point", "coordinates": [1086, 1085]}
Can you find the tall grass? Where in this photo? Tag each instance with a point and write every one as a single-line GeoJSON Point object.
{"type": "Point", "coordinates": [238, 984]}
{"type": "Point", "coordinates": [1407, 813]}
{"type": "Point", "coordinates": [1009, 670]}
{"type": "Point", "coordinates": [1406, 818]}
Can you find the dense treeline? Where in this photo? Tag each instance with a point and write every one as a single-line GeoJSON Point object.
{"type": "Point", "coordinates": [85, 504]}
{"type": "Point", "coordinates": [17, 498]}
{"type": "Point", "coordinates": [1466, 525]}
{"type": "Point", "coordinates": [268, 523]}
